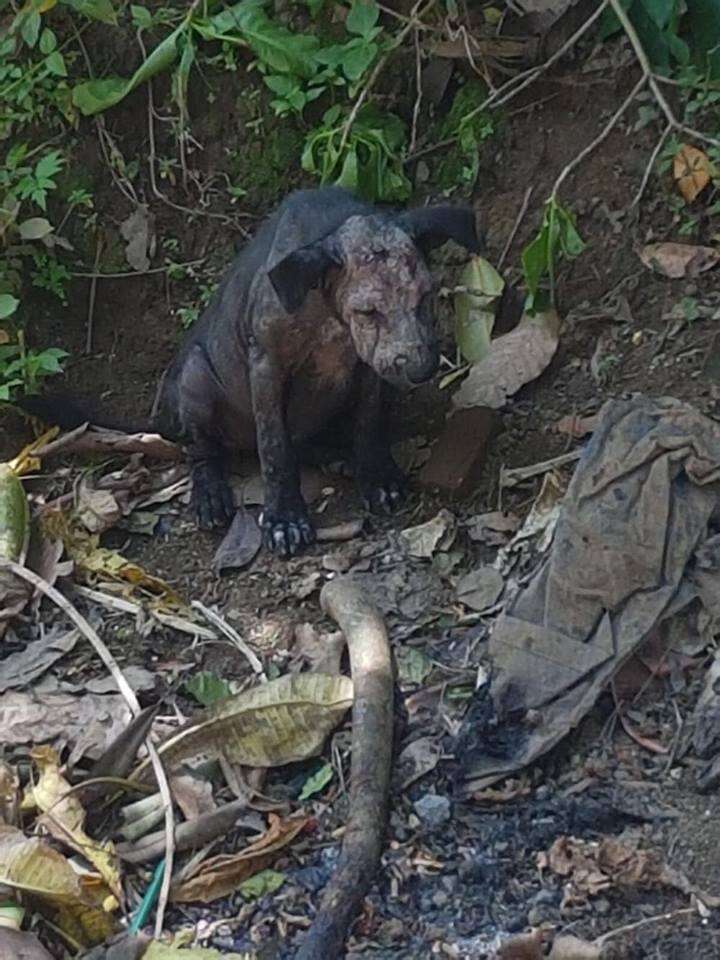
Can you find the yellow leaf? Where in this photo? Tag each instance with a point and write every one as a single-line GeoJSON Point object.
{"type": "Point", "coordinates": [46, 5]}
{"type": "Point", "coordinates": [691, 170]}
{"type": "Point", "coordinates": [279, 722]}
{"type": "Point", "coordinates": [64, 818]}
{"type": "Point", "coordinates": [220, 876]}
{"type": "Point", "coordinates": [31, 866]}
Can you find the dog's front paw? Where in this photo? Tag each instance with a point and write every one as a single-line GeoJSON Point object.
{"type": "Point", "coordinates": [212, 497]}
{"type": "Point", "coordinates": [382, 488]}
{"type": "Point", "coordinates": [286, 531]}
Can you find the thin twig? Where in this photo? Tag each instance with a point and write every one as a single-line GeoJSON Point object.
{"type": "Point", "coordinates": [378, 68]}
{"type": "Point", "coordinates": [650, 164]}
{"type": "Point", "coordinates": [139, 273]}
{"type": "Point", "coordinates": [91, 297]}
{"type": "Point", "coordinates": [648, 74]}
{"type": "Point", "coordinates": [567, 170]}
{"type": "Point", "coordinates": [232, 635]}
{"type": "Point", "coordinates": [646, 921]}
{"type": "Point", "coordinates": [128, 695]}
{"type": "Point", "coordinates": [419, 92]}
{"type": "Point", "coordinates": [516, 225]}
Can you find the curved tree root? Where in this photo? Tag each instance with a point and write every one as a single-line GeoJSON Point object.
{"type": "Point", "coordinates": [371, 669]}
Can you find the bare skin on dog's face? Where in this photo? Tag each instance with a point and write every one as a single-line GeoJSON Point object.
{"type": "Point", "coordinates": [383, 296]}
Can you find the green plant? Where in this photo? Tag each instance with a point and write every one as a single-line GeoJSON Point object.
{"type": "Point", "coordinates": [370, 159]}
{"type": "Point", "coordinates": [468, 129]}
{"type": "Point", "coordinates": [50, 274]}
{"type": "Point", "coordinates": [673, 32]}
{"type": "Point", "coordinates": [557, 238]}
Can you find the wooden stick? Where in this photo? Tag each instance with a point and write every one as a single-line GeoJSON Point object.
{"type": "Point", "coordinates": [371, 669]}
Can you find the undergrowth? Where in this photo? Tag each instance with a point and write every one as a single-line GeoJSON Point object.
{"type": "Point", "coordinates": [319, 63]}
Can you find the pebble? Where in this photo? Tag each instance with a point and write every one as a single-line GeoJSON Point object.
{"type": "Point", "coordinates": [433, 809]}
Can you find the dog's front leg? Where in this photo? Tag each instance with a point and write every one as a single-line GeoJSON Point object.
{"type": "Point", "coordinates": [380, 481]}
{"type": "Point", "coordinates": [285, 522]}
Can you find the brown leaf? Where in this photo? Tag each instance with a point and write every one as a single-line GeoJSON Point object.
{"type": "Point", "coordinates": [513, 360]}
{"type": "Point", "coordinates": [240, 544]}
{"type": "Point", "coordinates": [691, 170]}
{"type": "Point", "coordinates": [677, 260]}
{"type": "Point", "coordinates": [220, 876]}
{"type": "Point", "coordinates": [321, 651]}
{"type": "Point", "coordinates": [568, 947]}
{"type": "Point", "coordinates": [574, 426]}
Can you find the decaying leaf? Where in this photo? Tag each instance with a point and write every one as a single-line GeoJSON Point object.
{"type": "Point", "coordinates": [21, 668]}
{"type": "Point", "coordinates": [164, 951]}
{"type": "Point", "coordinates": [481, 588]}
{"type": "Point", "coordinates": [219, 876]}
{"type": "Point", "coordinates": [474, 314]}
{"type": "Point", "coordinates": [89, 723]}
{"type": "Point", "coordinates": [321, 651]}
{"type": "Point", "coordinates": [416, 759]}
{"type": "Point", "coordinates": [9, 794]}
{"type": "Point", "coordinates": [240, 544]}
{"type": "Point", "coordinates": [138, 233]}
{"type": "Point", "coordinates": [591, 867]}
{"type": "Point", "coordinates": [30, 865]}
{"type": "Point", "coordinates": [492, 528]}
{"type": "Point", "coordinates": [577, 427]}
{"type": "Point", "coordinates": [413, 666]}
{"type": "Point", "coordinates": [426, 539]}
{"type": "Point", "coordinates": [97, 510]}
{"type": "Point", "coordinates": [64, 817]}
{"type": "Point", "coordinates": [317, 782]}
{"type": "Point", "coordinates": [691, 171]}
{"type": "Point", "coordinates": [513, 360]}
{"type": "Point", "coordinates": [279, 722]}
{"type": "Point", "coordinates": [677, 260]}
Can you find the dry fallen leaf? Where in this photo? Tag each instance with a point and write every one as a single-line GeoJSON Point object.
{"type": "Point", "coordinates": [64, 817]}
{"type": "Point", "coordinates": [18, 945]}
{"type": "Point", "coordinates": [321, 651]}
{"type": "Point", "coordinates": [279, 722]}
{"type": "Point", "coordinates": [220, 876]}
{"type": "Point", "coordinates": [21, 668]}
{"type": "Point", "coordinates": [425, 539]}
{"type": "Point", "coordinates": [677, 260]}
{"type": "Point", "coordinates": [480, 589]}
{"type": "Point", "coordinates": [240, 544]}
{"type": "Point", "coordinates": [138, 233]}
{"type": "Point", "coordinates": [691, 170]}
{"type": "Point", "coordinates": [513, 360]}
{"type": "Point", "coordinates": [29, 865]}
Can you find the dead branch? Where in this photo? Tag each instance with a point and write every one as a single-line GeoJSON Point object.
{"type": "Point", "coordinates": [369, 650]}
{"type": "Point", "coordinates": [340, 531]}
{"type": "Point", "coordinates": [86, 439]}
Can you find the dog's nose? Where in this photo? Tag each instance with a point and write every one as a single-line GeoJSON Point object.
{"type": "Point", "coordinates": [423, 368]}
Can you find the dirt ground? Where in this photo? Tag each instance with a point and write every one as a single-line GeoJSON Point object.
{"type": "Point", "coordinates": [447, 887]}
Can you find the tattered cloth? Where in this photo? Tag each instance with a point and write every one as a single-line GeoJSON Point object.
{"type": "Point", "coordinates": [634, 544]}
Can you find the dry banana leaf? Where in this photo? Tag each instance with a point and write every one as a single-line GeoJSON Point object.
{"type": "Point", "coordinates": [64, 817]}
{"type": "Point", "coordinates": [32, 867]}
{"type": "Point", "coordinates": [221, 875]}
{"type": "Point", "coordinates": [279, 722]}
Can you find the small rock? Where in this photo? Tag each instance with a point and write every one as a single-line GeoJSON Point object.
{"type": "Point", "coordinates": [433, 809]}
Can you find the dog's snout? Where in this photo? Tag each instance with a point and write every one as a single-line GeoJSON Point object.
{"type": "Point", "coordinates": [418, 369]}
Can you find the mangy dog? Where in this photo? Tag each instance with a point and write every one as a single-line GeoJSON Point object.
{"type": "Point", "coordinates": [329, 303]}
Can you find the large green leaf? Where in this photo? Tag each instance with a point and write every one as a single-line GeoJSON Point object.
{"type": "Point", "coordinates": [94, 9]}
{"type": "Point", "coordinates": [659, 11]}
{"type": "Point", "coordinates": [278, 48]}
{"type": "Point", "coordinates": [704, 22]}
{"type": "Point", "coordinates": [93, 96]}
{"type": "Point", "coordinates": [362, 17]}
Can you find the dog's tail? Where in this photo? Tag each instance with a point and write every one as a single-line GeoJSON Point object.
{"type": "Point", "coordinates": [68, 412]}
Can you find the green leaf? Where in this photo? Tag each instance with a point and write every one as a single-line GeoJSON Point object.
{"type": "Point", "coordinates": [207, 688]}
{"type": "Point", "coordinates": [660, 11]}
{"type": "Point", "coordinates": [314, 784]}
{"type": "Point", "coordinates": [93, 96]}
{"type": "Point", "coordinates": [262, 883]}
{"type": "Point", "coordinates": [413, 665]}
{"type": "Point", "coordinates": [48, 41]}
{"type": "Point", "coordinates": [30, 28]}
{"type": "Point", "coordinates": [35, 228]}
{"type": "Point", "coordinates": [8, 305]}
{"type": "Point", "coordinates": [48, 165]}
{"type": "Point", "coordinates": [474, 313]}
{"type": "Point", "coordinates": [362, 17]}
{"type": "Point", "coordinates": [348, 177]}
{"type": "Point", "coordinates": [101, 10]}
{"type": "Point", "coordinates": [534, 260]}
{"type": "Point", "coordinates": [142, 17]}
{"type": "Point", "coordinates": [56, 64]}
{"type": "Point", "coordinates": [277, 47]}
{"type": "Point", "coordinates": [704, 23]}
{"type": "Point", "coordinates": [358, 59]}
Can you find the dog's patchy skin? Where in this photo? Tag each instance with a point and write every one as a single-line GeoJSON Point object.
{"type": "Point", "coordinates": [326, 306]}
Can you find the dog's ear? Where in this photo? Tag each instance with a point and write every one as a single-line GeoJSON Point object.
{"type": "Point", "coordinates": [301, 271]}
{"type": "Point", "coordinates": [430, 227]}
